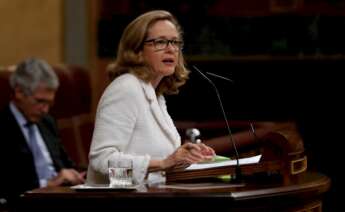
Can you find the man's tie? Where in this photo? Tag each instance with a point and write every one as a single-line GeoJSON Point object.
{"type": "Point", "coordinates": [41, 163]}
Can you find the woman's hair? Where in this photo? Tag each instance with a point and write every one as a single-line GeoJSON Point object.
{"type": "Point", "coordinates": [30, 73]}
{"type": "Point", "coordinates": [130, 60]}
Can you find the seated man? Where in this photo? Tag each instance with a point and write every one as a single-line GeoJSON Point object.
{"type": "Point", "coordinates": [30, 153]}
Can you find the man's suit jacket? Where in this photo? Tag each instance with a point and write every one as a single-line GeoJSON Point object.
{"type": "Point", "coordinates": [17, 167]}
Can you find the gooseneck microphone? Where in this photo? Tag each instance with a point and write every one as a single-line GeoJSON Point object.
{"type": "Point", "coordinates": [238, 172]}
{"type": "Point", "coordinates": [252, 129]}
{"type": "Point", "coordinates": [221, 77]}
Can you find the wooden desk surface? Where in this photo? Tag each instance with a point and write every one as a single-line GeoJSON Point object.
{"type": "Point", "coordinates": [252, 195]}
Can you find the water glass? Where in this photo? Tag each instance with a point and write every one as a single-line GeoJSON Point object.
{"type": "Point", "coordinates": [120, 172]}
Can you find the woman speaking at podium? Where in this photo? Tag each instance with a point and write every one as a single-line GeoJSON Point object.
{"type": "Point", "coordinates": [132, 118]}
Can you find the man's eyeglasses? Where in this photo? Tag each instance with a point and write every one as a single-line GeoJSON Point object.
{"type": "Point", "coordinates": [160, 43]}
{"type": "Point", "coordinates": [41, 101]}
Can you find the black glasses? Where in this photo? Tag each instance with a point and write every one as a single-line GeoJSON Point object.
{"type": "Point", "coordinates": [161, 43]}
{"type": "Point", "coordinates": [41, 101]}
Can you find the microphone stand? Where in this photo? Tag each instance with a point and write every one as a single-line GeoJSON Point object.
{"type": "Point", "coordinates": [238, 171]}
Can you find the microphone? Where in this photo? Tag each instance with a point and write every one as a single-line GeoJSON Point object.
{"type": "Point", "coordinates": [193, 134]}
{"type": "Point", "coordinates": [252, 129]}
{"type": "Point", "coordinates": [238, 172]}
{"type": "Point", "coordinates": [221, 77]}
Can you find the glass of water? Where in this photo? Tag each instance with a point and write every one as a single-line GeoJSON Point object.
{"type": "Point", "coordinates": [120, 172]}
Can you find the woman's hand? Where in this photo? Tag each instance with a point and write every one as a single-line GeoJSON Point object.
{"type": "Point", "coordinates": [187, 154]}
{"type": "Point", "coordinates": [207, 152]}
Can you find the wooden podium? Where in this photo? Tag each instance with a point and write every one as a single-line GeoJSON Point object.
{"type": "Point", "coordinates": [281, 149]}
{"type": "Point", "coordinates": [268, 194]}
{"type": "Point", "coordinates": [284, 185]}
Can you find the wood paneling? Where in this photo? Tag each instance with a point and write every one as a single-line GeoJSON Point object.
{"type": "Point", "coordinates": [31, 28]}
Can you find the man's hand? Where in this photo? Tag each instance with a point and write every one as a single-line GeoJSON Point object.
{"type": "Point", "coordinates": [67, 177]}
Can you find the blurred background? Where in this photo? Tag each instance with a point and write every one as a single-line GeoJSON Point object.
{"type": "Point", "coordinates": [286, 57]}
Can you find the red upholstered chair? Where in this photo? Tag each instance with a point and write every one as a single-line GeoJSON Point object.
{"type": "Point", "coordinates": [72, 109]}
{"type": "Point", "coordinates": [5, 89]}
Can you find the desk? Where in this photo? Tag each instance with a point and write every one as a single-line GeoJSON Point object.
{"type": "Point", "coordinates": [269, 194]}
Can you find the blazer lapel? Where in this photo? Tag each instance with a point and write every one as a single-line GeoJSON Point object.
{"type": "Point", "coordinates": [17, 135]}
{"type": "Point", "coordinates": [51, 143]}
{"type": "Point", "coordinates": [158, 108]}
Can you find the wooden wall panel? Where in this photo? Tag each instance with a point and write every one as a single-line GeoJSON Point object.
{"type": "Point", "coordinates": [31, 28]}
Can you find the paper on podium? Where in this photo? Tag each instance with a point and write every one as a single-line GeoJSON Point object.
{"type": "Point", "coordinates": [215, 169]}
{"type": "Point", "coordinates": [213, 164]}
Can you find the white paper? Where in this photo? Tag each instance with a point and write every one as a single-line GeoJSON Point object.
{"type": "Point", "coordinates": [199, 186]}
{"type": "Point", "coordinates": [101, 187]}
{"type": "Point", "coordinates": [242, 161]}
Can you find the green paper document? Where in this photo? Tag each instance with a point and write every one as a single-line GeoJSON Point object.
{"type": "Point", "coordinates": [218, 158]}
{"type": "Point", "coordinates": [221, 161]}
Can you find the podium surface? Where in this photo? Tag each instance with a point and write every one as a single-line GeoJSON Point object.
{"type": "Point", "coordinates": [267, 194]}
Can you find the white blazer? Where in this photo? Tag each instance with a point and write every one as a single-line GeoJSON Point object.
{"type": "Point", "coordinates": [132, 120]}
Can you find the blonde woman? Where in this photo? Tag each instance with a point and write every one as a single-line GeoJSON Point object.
{"type": "Point", "coordinates": [132, 118]}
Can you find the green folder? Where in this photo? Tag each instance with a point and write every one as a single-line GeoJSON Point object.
{"type": "Point", "coordinates": [224, 178]}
